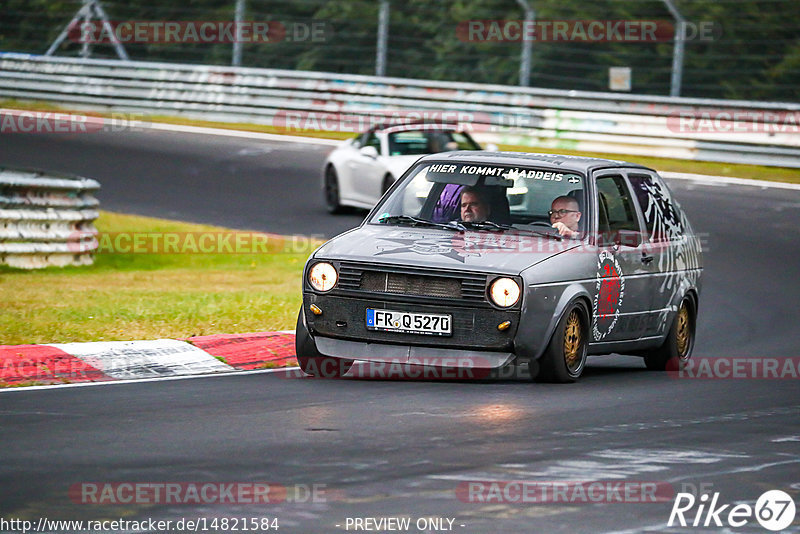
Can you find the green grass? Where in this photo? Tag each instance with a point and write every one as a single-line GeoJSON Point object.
{"type": "Point", "coordinates": [754, 172]}
{"type": "Point", "coordinates": [126, 296]}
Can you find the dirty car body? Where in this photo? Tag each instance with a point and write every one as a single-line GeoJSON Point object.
{"type": "Point", "coordinates": [416, 284]}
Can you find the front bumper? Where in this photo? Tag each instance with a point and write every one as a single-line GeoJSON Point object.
{"type": "Point", "coordinates": [340, 331]}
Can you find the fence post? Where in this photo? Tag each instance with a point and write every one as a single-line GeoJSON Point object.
{"type": "Point", "coordinates": [677, 50]}
{"type": "Point", "coordinates": [383, 36]}
{"type": "Point", "coordinates": [237, 42]}
{"type": "Point", "coordinates": [525, 58]}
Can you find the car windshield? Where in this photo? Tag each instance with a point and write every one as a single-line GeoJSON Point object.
{"type": "Point", "coordinates": [485, 196]}
{"type": "Point", "coordinates": [417, 142]}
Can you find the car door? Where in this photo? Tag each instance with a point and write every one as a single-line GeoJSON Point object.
{"type": "Point", "coordinates": [666, 236]}
{"type": "Point", "coordinates": [367, 171]}
{"type": "Point", "coordinates": [622, 299]}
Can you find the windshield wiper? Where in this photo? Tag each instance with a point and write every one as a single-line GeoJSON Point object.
{"type": "Point", "coordinates": [555, 236]}
{"type": "Point", "coordinates": [487, 225]}
{"type": "Point", "coordinates": [414, 221]}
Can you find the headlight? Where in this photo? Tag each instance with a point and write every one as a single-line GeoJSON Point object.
{"type": "Point", "coordinates": [323, 276]}
{"type": "Point", "coordinates": [504, 292]}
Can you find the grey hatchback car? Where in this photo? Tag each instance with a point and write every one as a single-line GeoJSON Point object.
{"type": "Point", "coordinates": [489, 259]}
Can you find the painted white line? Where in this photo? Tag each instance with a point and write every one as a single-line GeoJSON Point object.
{"type": "Point", "coordinates": [702, 178]}
{"type": "Point", "coordinates": [245, 134]}
{"type": "Point", "coordinates": [727, 180]}
{"type": "Point", "coordinates": [142, 380]}
{"type": "Point", "coordinates": [99, 122]}
{"type": "Point", "coordinates": [786, 439]}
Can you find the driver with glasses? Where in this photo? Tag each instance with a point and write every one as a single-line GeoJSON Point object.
{"type": "Point", "coordinates": [565, 215]}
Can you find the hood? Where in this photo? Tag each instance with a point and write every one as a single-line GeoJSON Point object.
{"type": "Point", "coordinates": [492, 252]}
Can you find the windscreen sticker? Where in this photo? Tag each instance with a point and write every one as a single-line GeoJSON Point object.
{"type": "Point", "coordinates": [531, 174]}
{"type": "Point", "coordinates": [610, 289]}
{"type": "Point", "coordinates": [502, 176]}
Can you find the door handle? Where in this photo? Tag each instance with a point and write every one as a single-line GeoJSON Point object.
{"type": "Point", "coordinates": [647, 259]}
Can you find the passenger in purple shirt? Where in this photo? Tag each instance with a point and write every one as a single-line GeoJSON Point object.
{"type": "Point", "coordinates": [448, 207]}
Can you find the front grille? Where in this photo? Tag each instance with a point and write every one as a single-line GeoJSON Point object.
{"type": "Point", "coordinates": [414, 282]}
{"type": "Point", "coordinates": [349, 277]}
{"type": "Point", "coordinates": [406, 284]}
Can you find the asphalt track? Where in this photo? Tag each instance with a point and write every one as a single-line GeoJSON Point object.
{"type": "Point", "coordinates": [401, 448]}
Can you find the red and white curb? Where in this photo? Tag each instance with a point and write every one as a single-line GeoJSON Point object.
{"type": "Point", "coordinates": [59, 363]}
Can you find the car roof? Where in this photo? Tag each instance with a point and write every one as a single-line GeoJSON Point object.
{"type": "Point", "coordinates": [555, 161]}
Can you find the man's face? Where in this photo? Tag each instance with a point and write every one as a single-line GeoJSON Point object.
{"type": "Point", "coordinates": [570, 218]}
{"type": "Point", "coordinates": [473, 209]}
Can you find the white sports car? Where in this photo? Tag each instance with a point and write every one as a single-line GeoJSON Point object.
{"type": "Point", "coordinates": [359, 171]}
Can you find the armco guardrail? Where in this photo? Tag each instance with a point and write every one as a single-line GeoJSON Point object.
{"type": "Point", "coordinates": [760, 133]}
{"type": "Point", "coordinates": [46, 219]}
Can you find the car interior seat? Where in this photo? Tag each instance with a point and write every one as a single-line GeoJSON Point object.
{"type": "Point", "coordinates": [498, 204]}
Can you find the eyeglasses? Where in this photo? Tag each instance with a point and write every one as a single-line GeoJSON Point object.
{"type": "Point", "coordinates": [561, 213]}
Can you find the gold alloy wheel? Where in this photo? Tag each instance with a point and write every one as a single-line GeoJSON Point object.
{"type": "Point", "coordinates": [573, 341]}
{"type": "Point", "coordinates": [683, 334]}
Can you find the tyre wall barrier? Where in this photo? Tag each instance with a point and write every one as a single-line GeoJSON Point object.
{"type": "Point", "coordinates": [46, 219]}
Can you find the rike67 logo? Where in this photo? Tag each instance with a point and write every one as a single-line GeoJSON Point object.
{"type": "Point", "coordinates": [774, 510]}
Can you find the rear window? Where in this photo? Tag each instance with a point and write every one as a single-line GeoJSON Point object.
{"type": "Point", "coordinates": [662, 215]}
{"type": "Point", "coordinates": [418, 142]}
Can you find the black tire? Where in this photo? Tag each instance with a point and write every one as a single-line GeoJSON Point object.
{"type": "Point", "coordinates": [332, 198]}
{"type": "Point", "coordinates": [564, 359]}
{"type": "Point", "coordinates": [388, 181]}
{"type": "Point", "coordinates": [677, 348]}
{"type": "Point", "coordinates": [311, 361]}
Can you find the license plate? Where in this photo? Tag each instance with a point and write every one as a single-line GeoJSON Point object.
{"type": "Point", "coordinates": [409, 322]}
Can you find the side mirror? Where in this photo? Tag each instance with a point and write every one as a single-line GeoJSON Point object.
{"type": "Point", "coordinates": [369, 151]}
